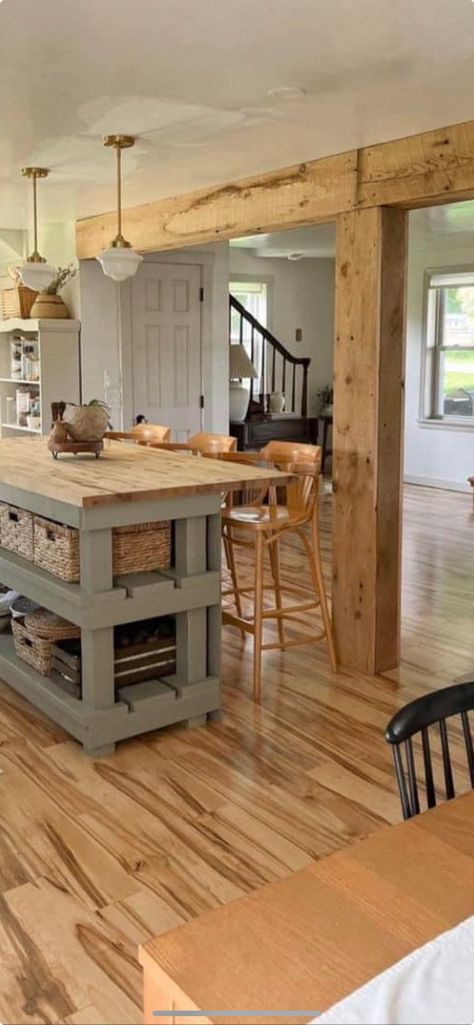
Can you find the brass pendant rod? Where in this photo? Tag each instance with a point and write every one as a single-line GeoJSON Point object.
{"type": "Point", "coordinates": [119, 190]}
{"type": "Point", "coordinates": [35, 214]}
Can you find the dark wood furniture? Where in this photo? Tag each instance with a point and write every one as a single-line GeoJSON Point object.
{"type": "Point", "coordinates": [325, 422]}
{"type": "Point", "coordinates": [416, 718]}
{"type": "Point", "coordinates": [254, 434]}
{"type": "Point", "coordinates": [277, 371]}
{"type": "Point", "coordinates": [308, 941]}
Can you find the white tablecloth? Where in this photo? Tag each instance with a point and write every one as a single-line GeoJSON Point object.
{"type": "Point", "coordinates": [432, 986]}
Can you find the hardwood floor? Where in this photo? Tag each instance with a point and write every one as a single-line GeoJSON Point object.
{"type": "Point", "coordinates": [97, 856]}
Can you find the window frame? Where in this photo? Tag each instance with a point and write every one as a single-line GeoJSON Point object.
{"type": "Point", "coordinates": [433, 349]}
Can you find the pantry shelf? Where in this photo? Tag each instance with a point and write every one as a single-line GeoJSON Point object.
{"type": "Point", "coordinates": [15, 380]}
{"type": "Point", "coordinates": [19, 427]}
{"type": "Point", "coordinates": [50, 347]}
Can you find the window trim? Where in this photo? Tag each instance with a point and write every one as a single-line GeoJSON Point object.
{"type": "Point", "coordinates": [429, 379]}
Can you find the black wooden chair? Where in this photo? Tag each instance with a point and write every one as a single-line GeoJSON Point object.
{"type": "Point", "coordinates": [417, 717]}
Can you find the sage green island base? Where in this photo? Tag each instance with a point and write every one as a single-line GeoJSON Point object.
{"type": "Point", "coordinates": [128, 485]}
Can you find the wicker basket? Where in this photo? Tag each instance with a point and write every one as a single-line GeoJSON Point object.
{"type": "Point", "coordinates": [16, 530]}
{"type": "Point", "coordinates": [56, 549]}
{"type": "Point", "coordinates": [136, 549]}
{"type": "Point", "coordinates": [17, 302]}
{"type": "Point", "coordinates": [141, 548]}
{"type": "Point", "coordinates": [35, 649]}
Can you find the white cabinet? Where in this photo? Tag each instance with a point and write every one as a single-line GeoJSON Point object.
{"type": "Point", "coordinates": [51, 345]}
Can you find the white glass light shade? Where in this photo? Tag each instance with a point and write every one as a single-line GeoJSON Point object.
{"type": "Point", "coordinates": [119, 262]}
{"type": "Point", "coordinates": [37, 275]}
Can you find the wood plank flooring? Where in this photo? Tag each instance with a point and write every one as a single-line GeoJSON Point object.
{"type": "Point", "coordinates": [97, 856]}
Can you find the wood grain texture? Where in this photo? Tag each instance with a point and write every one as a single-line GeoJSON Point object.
{"type": "Point", "coordinates": [420, 170]}
{"type": "Point", "coordinates": [297, 195]}
{"type": "Point", "coordinates": [308, 941]}
{"type": "Point", "coordinates": [124, 473]}
{"type": "Point", "coordinates": [98, 857]}
{"type": "Point", "coordinates": [417, 170]}
{"type": "Point", "coordinates": [368, 369]}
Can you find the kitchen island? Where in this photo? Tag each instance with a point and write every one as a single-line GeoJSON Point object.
{"type": "Point", "coordinates": [128, 485]}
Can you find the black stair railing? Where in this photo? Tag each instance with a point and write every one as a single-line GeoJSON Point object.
{"type": "Point", "coordinates": [277, 369]}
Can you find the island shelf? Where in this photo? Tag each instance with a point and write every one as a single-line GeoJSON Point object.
{"type": "Point", "coordinates": [129, 485]}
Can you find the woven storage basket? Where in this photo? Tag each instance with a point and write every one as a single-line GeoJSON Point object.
{"type": "Point", "coordinates": [16, 530]}
{"type": "Point", "coordinates": [141, 548]}
{"type": "Point", "coordinates": [35, 649]}
{"type": "Point", "coordinates": [17, 302]}
{"type": "Point", "coordinates": [56, 549]}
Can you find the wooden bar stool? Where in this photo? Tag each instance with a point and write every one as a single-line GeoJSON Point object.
{"type": "Point", "coordinates": [142, 434]}
{"type": "Point", "coordinates": [261, 527]}
{"type": "Point", "coordinates": [201, 444]}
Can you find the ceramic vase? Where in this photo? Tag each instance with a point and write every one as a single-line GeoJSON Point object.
{"type": "Point", "coordinates": [49, 307]}
{"type": "Point", "coordinates": [277, 402]}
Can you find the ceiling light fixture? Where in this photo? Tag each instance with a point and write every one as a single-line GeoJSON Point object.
{"type": "Point", "coordinates": [119, 261]}
{"type": "Point", "coordinates": [286, 92]}
{"type": "Point", "coordinates": [295, 256]}
{"type": "Point", "coordinates": [35, 273]}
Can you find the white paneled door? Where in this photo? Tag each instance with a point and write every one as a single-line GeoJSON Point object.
{"type": "Point", "coordinates": [166, 338]}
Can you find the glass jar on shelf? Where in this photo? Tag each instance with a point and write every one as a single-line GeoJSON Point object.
{"type": "Point", "coordinates": [16, 351]}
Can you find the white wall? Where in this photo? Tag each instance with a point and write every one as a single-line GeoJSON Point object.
{"type": "Point", "coordinates": [57, 242]}
{"type": "Point", "coordinates": [301, 295]}
{"type": "Point", "coordinates": [107, 336]}
{"type": "Point", "coordinates": [434, 454]}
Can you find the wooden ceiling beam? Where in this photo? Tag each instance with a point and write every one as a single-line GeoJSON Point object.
{"type": "Point", "coordinates": [420, 170]}
{"type": "Point", "coordinates": [299, 195]}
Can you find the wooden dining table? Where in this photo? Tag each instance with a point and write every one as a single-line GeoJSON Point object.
{"type": "Point", "coordinates": [301, 944]}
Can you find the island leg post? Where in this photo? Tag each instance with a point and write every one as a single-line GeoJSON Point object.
{"type": "Point", "coordinates": [98, 685]}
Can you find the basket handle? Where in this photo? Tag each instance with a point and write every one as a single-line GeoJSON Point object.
{"type": "Point", "coordinates": [13, 516]}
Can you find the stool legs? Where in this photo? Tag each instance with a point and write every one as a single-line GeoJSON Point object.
{"type": "Point", "coordinates": [258, 618]}
{"type": "Point", "coordinates": [318, 582]}
{"type": "Point", "coordinates": [274, 553]}
{"type": "Point", "coordinates": [232, 566]}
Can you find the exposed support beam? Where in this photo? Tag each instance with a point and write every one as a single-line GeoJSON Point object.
{"type": "Point", "coordinates": [369, 365]}
{"type": "Point", "coordinates": [421, 170]}
{"type": "Point", "coordinates": [298, 195]}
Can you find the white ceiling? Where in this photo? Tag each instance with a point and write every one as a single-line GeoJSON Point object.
{"type": "Point", "coordinates": [191, 79]}
{"type": "Point", "coordinates": [453, 223]}
{"type": "Point", "coordinates": [319, 241]}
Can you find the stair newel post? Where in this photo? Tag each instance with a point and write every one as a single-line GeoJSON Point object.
{"type": "Point", "coordinates": [304, 397]}
{"type": "Point", "coordinates": [263, 372]}
{"type": "Point", "coordinates": [252, 355]}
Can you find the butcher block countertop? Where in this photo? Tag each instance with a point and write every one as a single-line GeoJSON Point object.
{"type": "Point", "coordinates": [124, 473]}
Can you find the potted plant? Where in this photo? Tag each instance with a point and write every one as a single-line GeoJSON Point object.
{"type": "Point", "coordinates": [326, 398]}
{"type": "Point", "coordinates": [49, 305]}
{"type": "Point", "coordinates": [88, 422]}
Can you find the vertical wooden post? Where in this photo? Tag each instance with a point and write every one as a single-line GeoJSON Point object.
{"type": "Point", "coordinates": [304, 396]}
{"type": "Point", "coordinates": [369, 369]}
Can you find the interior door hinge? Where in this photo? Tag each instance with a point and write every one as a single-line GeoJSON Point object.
{"type": "Point", "coordinates": [201, 295]}
{"type": "Point", "coordinates": [201, 401]}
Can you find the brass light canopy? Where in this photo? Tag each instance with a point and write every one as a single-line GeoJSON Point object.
{"type": "Point", "coordinates": [119, 261]}
{"type": "Point", "coordinates": [36, 273]}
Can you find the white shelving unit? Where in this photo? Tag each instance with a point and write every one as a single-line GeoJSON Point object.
{"type": "Point", "coordinates": [59, 368]}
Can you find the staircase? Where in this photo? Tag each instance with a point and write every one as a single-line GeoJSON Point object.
{"type": "Point", "coordinates": [277, 371]}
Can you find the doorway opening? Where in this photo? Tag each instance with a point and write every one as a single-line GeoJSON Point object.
{"type": "Point", "coordinates": [438, 540]}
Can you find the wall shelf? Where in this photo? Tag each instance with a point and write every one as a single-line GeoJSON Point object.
{"type": "Point", "coordinates": [57, 344]}
{"type": "Point", "coordinates": [15, 380]}
{"type": "Point", "coordinates": [19, 427]}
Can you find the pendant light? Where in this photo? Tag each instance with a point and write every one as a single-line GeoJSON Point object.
{"type": "Point", "coordinates": [120, 261]}
{"type": "Point", "coordinates": [35, 273]}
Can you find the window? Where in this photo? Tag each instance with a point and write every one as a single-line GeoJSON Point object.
{"type": "Point", "coordinates": [449, 353]}
{"type": "Point", "coordinates": [253, 295]}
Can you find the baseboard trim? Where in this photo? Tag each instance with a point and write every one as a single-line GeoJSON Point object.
{"type": "Point", "coordinates": [433, 482]}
